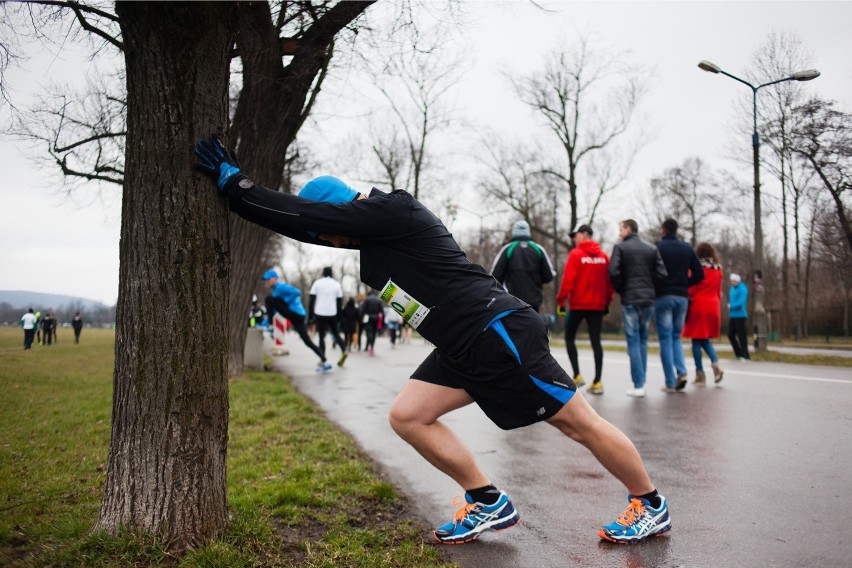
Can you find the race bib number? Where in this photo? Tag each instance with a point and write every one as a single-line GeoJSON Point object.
{"type": "Point", "coordinates": [411, 310]}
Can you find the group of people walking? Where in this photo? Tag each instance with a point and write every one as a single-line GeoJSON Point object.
{"type": "Point", "coordinates": [42, 329]}
{"type": "Point", "coordinates": [680, 288]}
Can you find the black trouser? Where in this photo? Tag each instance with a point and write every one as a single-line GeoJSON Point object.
{"type": "Point", "coordinates": [738, 335]}
{"type": "Point", "coordinates": [28, 338]}
{"type": "Point", "coordinates": [328, 324]}
{"type": "Point", "coordinates": [371, 327]}
{"type": "Point", "coordinates": [274, 305]}
{"type": "Point", "coordinates": [594, 319]}
{"type": "Point", "coordinates": [77, 335]}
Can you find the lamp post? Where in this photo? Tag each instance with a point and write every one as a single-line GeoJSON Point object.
{"type": "Point", "coordinates": [759, 308]}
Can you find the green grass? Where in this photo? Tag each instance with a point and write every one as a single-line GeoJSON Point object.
{"type": "Point", "coordinates": [300, 492]}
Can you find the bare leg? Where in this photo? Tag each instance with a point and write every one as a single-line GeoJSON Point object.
{"type": "Point", "coordinates": [414, 417]}
{"type": "Point", "coordinates": [610, 446]}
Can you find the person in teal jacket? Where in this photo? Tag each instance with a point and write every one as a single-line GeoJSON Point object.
{"type": "Point", "coordinates": [738, 314]}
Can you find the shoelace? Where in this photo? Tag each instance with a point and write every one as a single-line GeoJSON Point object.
{"type": "Point", "coordinates": [464, 510]}
{"type": "Point", "coordinates": [632, 513]}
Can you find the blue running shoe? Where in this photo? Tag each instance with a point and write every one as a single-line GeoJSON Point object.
{"type": "Point", "coordinates": [638, 522]}
{"type": "Point", "coordinates": [473, 519]}
{"type": "Point", "coordinates": [325, 368]}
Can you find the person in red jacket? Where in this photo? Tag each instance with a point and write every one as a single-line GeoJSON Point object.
{"type": "Point", "coordinates": [703, 318]}
{"type": "Point", "coordinates": [587, 288]}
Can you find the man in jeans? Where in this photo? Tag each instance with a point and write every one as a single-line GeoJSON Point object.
{"type": "Point", "coordinates": [683, 270]}
{"type": "Point", "coordinates": [635, 268]}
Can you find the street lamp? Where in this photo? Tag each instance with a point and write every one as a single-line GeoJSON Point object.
{"type": "Point", "coordinates": [759, 309]}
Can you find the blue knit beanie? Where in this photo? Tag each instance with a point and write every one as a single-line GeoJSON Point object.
{"type": "Point", "coordinates": [328, 189]}
{"type": "Point", "coordinates": [271, 273]}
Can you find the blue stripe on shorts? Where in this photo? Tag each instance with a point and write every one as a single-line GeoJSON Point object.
{"type": "Point", "coordinates": [561, 394]}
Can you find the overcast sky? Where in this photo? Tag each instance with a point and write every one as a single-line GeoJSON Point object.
{"type": "Point", "coordinates": [53, 243]}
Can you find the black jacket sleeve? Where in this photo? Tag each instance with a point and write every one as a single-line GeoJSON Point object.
{"type": "Point", "coordinates": [296, 218]}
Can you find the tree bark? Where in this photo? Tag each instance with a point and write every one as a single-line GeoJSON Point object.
{"type": "Point", "coordinates": [166, 465]}
{"type": "Point", "coordinates": [273, 105]}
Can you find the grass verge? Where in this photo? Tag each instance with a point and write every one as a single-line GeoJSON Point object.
{"type": "Point", "coordinates": [300, 492]}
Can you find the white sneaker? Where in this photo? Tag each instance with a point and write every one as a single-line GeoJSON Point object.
{"type": "Point", "coordinates": [636, 393]}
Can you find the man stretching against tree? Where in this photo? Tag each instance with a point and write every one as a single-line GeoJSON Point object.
{"type": "Point", "coordinates": [490, 347]}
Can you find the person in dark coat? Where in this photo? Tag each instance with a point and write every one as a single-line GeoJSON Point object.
{"type": "Point", "coordinates": [522, 266]}
{"type": "Point", "coordinates": [635, 268]}
{"type": "Point", "coordinates": [77, 325]}
{"type": "Point", "coordinates": [683, 270]}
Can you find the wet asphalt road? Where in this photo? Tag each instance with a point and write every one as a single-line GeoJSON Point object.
{"type": "Point", "coordinates": [758, 471]}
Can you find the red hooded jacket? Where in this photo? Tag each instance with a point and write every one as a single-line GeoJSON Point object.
{"type": "Point", "coordinates": [586, 283]}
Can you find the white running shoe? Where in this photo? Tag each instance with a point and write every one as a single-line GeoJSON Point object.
{"type": "Point", "coordinates": [636, 392]}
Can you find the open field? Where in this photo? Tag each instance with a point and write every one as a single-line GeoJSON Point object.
{"type": "Point", "coordinates": [301, 493]}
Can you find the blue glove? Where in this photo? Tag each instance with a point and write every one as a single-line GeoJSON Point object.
{"type": "Point", "coordinates": [216, 161]}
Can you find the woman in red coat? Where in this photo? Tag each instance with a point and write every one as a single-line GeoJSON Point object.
{"type": "Point", "coordinates": [704, 317]}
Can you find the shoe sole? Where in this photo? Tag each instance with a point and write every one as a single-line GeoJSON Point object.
{"type": "Point", "coordinates": [473, 536]}
{"type": "Point", "coordinates": [718, 379]}
{"type": "Point", "coordinates": [660, 532]}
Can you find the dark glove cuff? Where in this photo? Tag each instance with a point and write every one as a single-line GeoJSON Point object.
{"type": "Point", "coordinates": [237, 185]}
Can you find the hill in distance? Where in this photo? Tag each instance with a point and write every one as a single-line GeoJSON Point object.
{"type": "Point", "coordinates": [40, 301]}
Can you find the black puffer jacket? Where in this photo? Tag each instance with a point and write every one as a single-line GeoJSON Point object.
{"type": "Point", "coordinates": [635, 268]}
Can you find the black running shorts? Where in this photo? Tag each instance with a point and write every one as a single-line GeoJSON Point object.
{"type": "Point", "coordinates": [508, 371]}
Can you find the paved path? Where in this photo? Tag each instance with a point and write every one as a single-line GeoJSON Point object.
{"type": "Point", "coordinates": [758, 471]}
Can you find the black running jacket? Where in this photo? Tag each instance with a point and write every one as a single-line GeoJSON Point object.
{"type": "Point", "coordinates": [406, 253]}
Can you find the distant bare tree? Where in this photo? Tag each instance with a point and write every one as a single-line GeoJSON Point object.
{"type": "Point", "coordinates": [414, 81]}
{"type": "Point", "coordinates": [689, 194]}
{"type": "Point", "coordinates": [781, 55]}
{"type": "Point", "coordinates": [823, 137]}
{"type": "Point", "coordinates": [588, 98]}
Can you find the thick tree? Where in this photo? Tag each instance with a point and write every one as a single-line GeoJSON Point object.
{"type": "Point", "coordinates": [166, 467]}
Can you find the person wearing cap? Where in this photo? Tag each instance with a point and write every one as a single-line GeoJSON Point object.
{"type": "Point", "coordinates": [737, 316]}
{"type": "Point", "coordinates": [522, 266]}
{"type": "Point", "coordinates": [490, 347]}
{"type": "Point", "coordinates": [285, 299]}
{"type": "Point", "coordinates": [588, 290]}
{"type": "Point", "coordinates": [635, 268]}
{"type": "Point", "coordinates": [683, 270]}
{"type": "Point", "coordinates": [326, 307]}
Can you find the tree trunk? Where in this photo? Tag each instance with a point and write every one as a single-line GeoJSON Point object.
{"type": "Point", "coordinates": [273, 105]}
{"type": "Point", "coordinates": [166, 465]}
